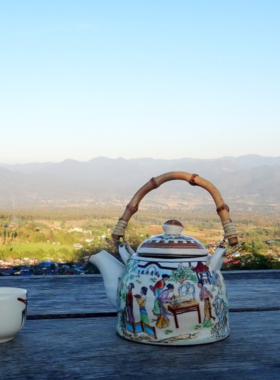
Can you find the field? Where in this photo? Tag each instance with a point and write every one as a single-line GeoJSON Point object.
{"type": "Point", "coordinates": [73, 235]}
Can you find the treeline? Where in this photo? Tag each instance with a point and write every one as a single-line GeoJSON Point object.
{"type": "Point", "coordinates": [58, 213]}
{"type": "Point", "coordinates": [146, 214]}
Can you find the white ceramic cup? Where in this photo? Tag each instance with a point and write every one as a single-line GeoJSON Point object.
{"type": "Point", "coordinates": [13, 311]}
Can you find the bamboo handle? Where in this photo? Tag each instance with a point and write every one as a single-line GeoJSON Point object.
{"type": "Point", "coordinates": [193, 179]}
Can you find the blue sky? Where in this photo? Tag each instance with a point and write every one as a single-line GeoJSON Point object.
{"type": "Point", "coordinates": [162, 79]}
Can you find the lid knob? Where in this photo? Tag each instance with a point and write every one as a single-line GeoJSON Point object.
{"type": "Point", "coordinates": [173, 227]}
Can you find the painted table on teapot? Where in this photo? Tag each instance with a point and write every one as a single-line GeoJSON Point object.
{"type": "Point", "coordinates": [70, 334]}
{"type": "Point", "coordinates": [184, 306]}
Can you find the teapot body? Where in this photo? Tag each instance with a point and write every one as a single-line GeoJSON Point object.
{"type": "Point", "coordinates": [171, 290]}
{"type": "Point", "coordinates": [174, 301]}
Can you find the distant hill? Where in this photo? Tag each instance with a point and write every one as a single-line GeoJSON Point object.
{"type": "Point", "coordinates": [246, 179]}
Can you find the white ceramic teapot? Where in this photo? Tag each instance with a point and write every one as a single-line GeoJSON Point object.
{"type": "Point", "coordinates": [170, 291]}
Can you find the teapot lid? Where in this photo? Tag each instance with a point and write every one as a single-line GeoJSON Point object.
{"type": "Point", "coordinates": [171, 243]}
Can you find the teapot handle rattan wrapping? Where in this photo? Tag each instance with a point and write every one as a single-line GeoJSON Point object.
{"type": "Point", "coordinates": [194, 180]}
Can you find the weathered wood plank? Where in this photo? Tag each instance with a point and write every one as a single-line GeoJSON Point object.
{"type": "Point", "coordinates": [249, 274]}
{"type": "Point", "coordinates": [90, 349]}
{"type": "Point", "coordinates": [86, 294]}
{"type": "Point", "coordinates": [62, 294]}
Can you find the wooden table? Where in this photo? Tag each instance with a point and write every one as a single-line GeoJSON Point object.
{"type": "Point", "coordinates": [70, 334]}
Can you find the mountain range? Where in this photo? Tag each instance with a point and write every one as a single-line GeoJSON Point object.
{"type": "Point", "coordinates": [249, 179]}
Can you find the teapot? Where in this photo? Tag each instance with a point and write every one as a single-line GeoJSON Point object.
{"type": "Point", "coordinates": [171, 290]}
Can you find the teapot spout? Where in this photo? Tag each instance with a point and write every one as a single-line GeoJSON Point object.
{"type": "Point", "coordinates": [111, 270]}
{"type": "Point", "coordinates": [216, 260]}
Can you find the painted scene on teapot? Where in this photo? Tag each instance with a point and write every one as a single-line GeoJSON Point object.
{"type": "Point", "coordinates": [178, 303]}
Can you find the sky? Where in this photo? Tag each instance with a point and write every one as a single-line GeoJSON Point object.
{"type": "Point", "coordinates": [164, 79]}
